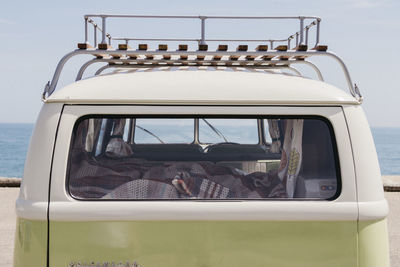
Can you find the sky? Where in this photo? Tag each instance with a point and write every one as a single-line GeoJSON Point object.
{"type": "Point", "coordinates": [364, 33]}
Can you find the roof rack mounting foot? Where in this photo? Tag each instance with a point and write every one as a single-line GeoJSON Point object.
{"type": "Point", "coordinates": [321, 48]}
{"type": "Point", "coordinates": [84, 46]}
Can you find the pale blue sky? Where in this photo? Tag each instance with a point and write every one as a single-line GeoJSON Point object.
{"type": "Point", "coordinates": [36, 34]}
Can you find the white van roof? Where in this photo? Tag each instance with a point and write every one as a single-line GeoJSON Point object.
{"type": "Point", "coordinates": [201, 87]}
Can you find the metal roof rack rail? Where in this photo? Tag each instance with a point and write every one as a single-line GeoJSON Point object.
{"type": "Point", "coordinates": [268, 54]}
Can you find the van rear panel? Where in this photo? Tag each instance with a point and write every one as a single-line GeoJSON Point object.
{"type": "Point", "coordinates": [98, 225]}
{"type": "Point", "coordinates": [205, 243]}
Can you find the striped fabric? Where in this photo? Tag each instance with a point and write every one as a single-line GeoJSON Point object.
{"type": "Point", "coordinates": [128, 178]}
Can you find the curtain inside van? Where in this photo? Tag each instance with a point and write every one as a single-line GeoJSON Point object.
{"type": "Point", "coordinates": [291, 155]}
{"type": "Point", "coordinates": [117, 147]}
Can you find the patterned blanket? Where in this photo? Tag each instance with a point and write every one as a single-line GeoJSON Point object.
{"type": "Point", "coordinates": [129, 178]}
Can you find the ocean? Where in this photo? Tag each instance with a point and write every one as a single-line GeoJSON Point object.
{"type": "Point", "coordinates": [14, 142]}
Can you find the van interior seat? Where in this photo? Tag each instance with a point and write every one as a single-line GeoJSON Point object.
{"type": "Point", "coordinates": [318, 160]}
{"type": "Point", "coordinates": [236, 148]}
{"type": "Point", "coordinates": [318, 156]}
{"type": "Point", "coordinates": [240, 152]}
{"type": "Point", "coordinates": [173, 151]}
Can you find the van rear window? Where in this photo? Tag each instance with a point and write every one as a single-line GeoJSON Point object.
{"type": "Point", "coordinates": [183, 158]}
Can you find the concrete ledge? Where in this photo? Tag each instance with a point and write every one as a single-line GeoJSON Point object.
{"type": "Point", "coordinates": [10, 182]}
{"type": "Point", "coordinates": [391, 183]}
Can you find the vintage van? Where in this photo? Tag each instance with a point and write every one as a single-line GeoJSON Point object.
{"type": "Point", "coordinates": [201, 158]}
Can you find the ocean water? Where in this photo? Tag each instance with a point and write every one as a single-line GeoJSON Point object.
{"type": "Point", "coordinates": [387, 143]}
{"type": "Point", "coordinates": [14, 141]}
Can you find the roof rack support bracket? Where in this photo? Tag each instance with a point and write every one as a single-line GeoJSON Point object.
{"type": "Point", "coordinates": [301, 31]}
{"type": "Point", "coordinates": [103, 26]}
{"type": "Point", "coordinates": [203, 30]}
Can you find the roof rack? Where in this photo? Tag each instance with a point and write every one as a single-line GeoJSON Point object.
{"type": "Point", "coordinates": [268, 54]}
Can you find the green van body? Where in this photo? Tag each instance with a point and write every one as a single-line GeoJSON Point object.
{"type": "Point", "coordinates": [194, 243]}
{"type": "Point", "coordinates": [54, 229]}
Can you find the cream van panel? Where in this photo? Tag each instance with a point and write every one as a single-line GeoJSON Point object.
{"type": "Point", "coordinates": [64, 207]}
{"type": "Point", "coordinates": [33, 194]}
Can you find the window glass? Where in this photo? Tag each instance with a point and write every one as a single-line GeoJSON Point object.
{"type": "Point", "coordinates": [242, 131]}
{"type": "Point", "coordinates": [267, 135]}
{"type": "Point", "coordinates": [156, 131]}
{"type": "Point", "coordinates": [100, 142]}
{"type": "Point", "coordinates": [221, 158]}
